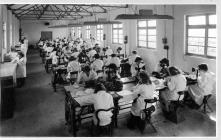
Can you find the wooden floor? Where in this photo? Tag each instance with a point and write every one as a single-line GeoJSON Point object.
{"type": "Point", "coordinates": [40, 112]}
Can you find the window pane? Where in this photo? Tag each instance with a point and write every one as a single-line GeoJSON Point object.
{"type": "Point", "coordinates": [121, 40]}
{"type": "Point", "coordinates": [120, 31]}
{"type": "Point", "coordinates": [196, 41]}
{"type": "Point", "coordinates": [115, 36]}
{"type": "Point", "coordinates": [144, 38]}
{"type": "Point", "coordinates": [151, 31]}
{"type": "Point", "coordinates": [196, 50]}
{"type": "Point", "coordinates": [142, 32]}
{"type": "Point", "coordinates": [212, 42]}
{"type": "Point", "coordinates": [152, 38]}
{"type": "Point", "coordinates": [142, 43]}
{"type": "Point", "coordinates": [151, 44]}
{"type": "Point", "coordinates": [197, 20]}
{"type": "Point", "coordinates": [115, 25]}
{"type": "Point", "coordinates": [211, 32]}
{"type": "Point", "coordinates": [115, 40]}
{"type": "Point", "coordinates": [120, 25]}
{"type": "Point", "coordinates": [142, 23]}
{"type": "Point", "coordinates": [211, 51]}
{"type": "Point", "coordinates": [196, 32]}
{"type": "Point", "coordinates": [114, 32]}
{"type": "Point", "coordinates": [152, 23]}
{"type": "Point", "coordinates": [212, 19]}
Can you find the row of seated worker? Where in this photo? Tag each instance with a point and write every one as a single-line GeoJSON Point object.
{"type": "Point", "coordinates": [17, 55]}
{"type": "Point", "coordinates": [145, 89]}
{"type": "Point", "coordinates": [62, 53]}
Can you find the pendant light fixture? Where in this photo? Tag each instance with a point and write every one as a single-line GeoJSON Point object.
{"type": "Point", "coordinates": [143, 14]}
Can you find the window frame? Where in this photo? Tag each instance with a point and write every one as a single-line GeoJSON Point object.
{"type": "Point", "coordinates": [88, 31]}
{"type": "Point", "coordinates": [207, 26]}
{"type": "Point", "coordinates": [79, 32]}
{"type": "Point", "coordinates": [146, 28]}
{"type": "Point", "coordinates": [118, 39]}
{"type": "Point", "coordinates": [101, 35]}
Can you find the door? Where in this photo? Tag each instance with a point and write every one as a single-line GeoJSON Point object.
{"type": "Point", "coordinates": [46, 35]}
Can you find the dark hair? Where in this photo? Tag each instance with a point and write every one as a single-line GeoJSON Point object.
{"type": "Point", "coordinates": [21, 54]}
{"type": "Point", "coordinates": [145, 79]}
{"type": "Point", "coordinates": [99, 87]}
{"type": "Point", "coordinates": [72, 58]}
{"type": "Point", "coordinates": [164, 61]}
{"type": "Point", "coordinates": [119, 48]}
{"type": "Point", "coordinates": [86, 68]}
{"type": "Point", "coordinates": [96, 56]}
{"type": "Point", "coordinates": [203, 67]}
{"type": "Point", "coordinates": [134, 52]}
{"type": "Point", "coordinates": [104, 49]}
{"type": "Point", "coordinates": [113, 55]}
{"type": "Point", "coordinates": [113, 66]}
{"type": "Point", "coordinates": [138, 59]}
{"type": "Point", "coordinates": [174, 71]}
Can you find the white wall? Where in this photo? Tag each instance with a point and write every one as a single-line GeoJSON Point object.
{"type": "Point", "coordinates": [32, 29]}
{"type": "Point", "coordinates": [184, 61]}
{"type": "Point", "coordinates": [11, 21]}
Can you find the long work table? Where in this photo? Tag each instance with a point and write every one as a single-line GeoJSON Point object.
{"type": "Point", "coordinates": [74, 108]}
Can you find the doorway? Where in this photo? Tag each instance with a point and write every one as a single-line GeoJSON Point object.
{"type": "Point", "coordinates": [46, 35]}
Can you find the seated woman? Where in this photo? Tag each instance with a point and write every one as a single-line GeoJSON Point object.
{"type": "Point", "coordinates": [101, 100]}
{"type": "Point", "coordinates": [73, 66]}
{"type": "Point", "coordinates": [145, 90]}
{"type": "Point", "coordinates": [82, 57]}
{"type": "Point", "coordinates": [137, 66]}
{"type": "Point", "coordinates": [114, 59]}
{"type": "Point", "coordinates": [86, 75]}
{"type": "Point", "coordinates": [161, 69]}
{"type": "Point", "coordinates": [175, 82]}
{"type": "Point", "coordinates": [133, 56]}
{"type": "Point", "coordinates": [21, 68]}
{"type": "Point", "coordinates": [98, 64]}
{"type": "Point", "coordinates": [206, 84]}
{"type": "Point", "coordinates": [111, 79]}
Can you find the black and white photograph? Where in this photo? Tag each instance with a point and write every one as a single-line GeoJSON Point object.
{"type": "Point", "coordinates": [109, 69]}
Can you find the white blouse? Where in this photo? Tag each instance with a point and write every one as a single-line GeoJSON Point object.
{"type": "Point", "coordinates": [101, 100]}
{"type": "Point", "coordinates": [97, 65]}
{"type": "Point", "coordinates": [146, 92]}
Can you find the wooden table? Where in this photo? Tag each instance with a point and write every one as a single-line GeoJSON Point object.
{"type": "Point", "coordinates": [72, 103]}
{"type": "Point", "coordinates": [8, 69]}
{"type": "Point", "coordinates": [73, 108]}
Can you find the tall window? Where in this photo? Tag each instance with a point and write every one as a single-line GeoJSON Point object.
{"type": "Point", "coordinates": [88, 32]}
{"type": "Point", "coordinates": [201, 35]}
{"type": "Point", "coordinates": [4, 35]}
{"type": "Point", "coordinates": [146, 33]}
{"type": "Point", "coordinates": [117, 33]}
{"type": "Point", "coordinates": [79, 31]}
{"type": "Point", "coordinates": [100, 32]}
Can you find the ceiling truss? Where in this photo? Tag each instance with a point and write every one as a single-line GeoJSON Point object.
{"type": "Point", "coordinates": [59, 11]}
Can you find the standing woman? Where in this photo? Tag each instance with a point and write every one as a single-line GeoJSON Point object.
{"type": "Point", "coordinates": [145, 90]}
{"type": "Point", "coordinates": [21, 68]}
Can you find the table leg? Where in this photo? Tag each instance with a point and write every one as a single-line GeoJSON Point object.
{"type": "Point", "coordinates": [116, 112]}
{"type": "Point", "coordinates": [73, 121]}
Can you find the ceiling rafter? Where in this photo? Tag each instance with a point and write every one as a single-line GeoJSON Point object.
{"type": "Point", "coordinates": [81, 7]}
{"type": "Point", "coordinates": [59, 11]}
{"type": "Point", "coordinates": [44, 9]}
{"type": "Point", "coordinates": [25, 10]}
{"type": "Point", "coordinates": [68, 12]}
{"type": "Point", "coordinates": [54, 12]}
